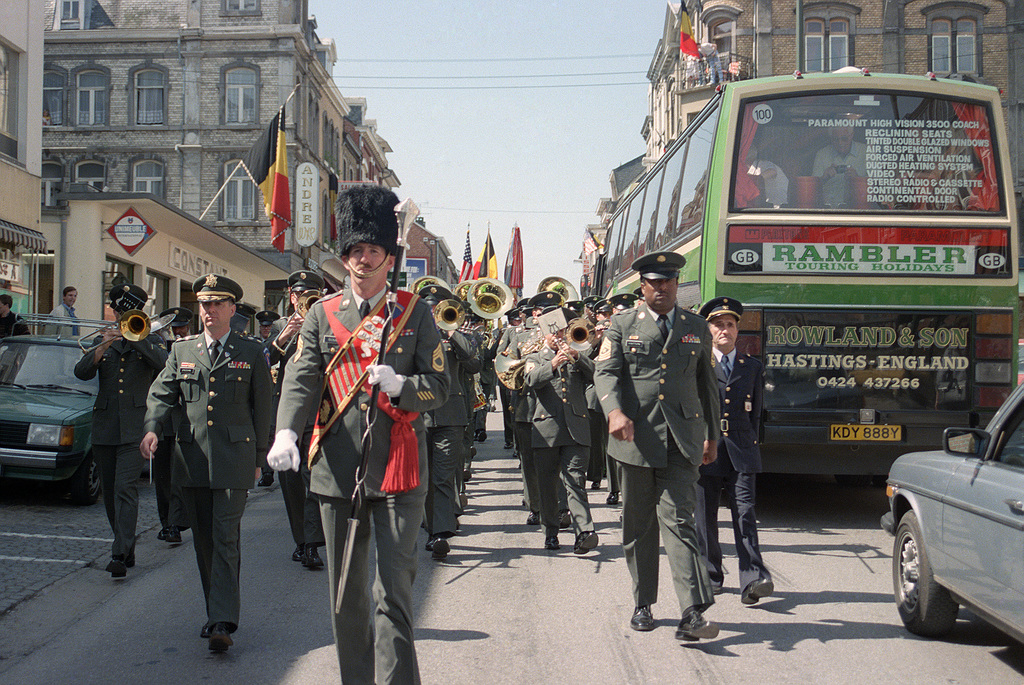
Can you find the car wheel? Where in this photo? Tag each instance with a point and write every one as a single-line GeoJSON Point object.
{"type": "Point", "coordinates": [925, 607]}
{"type": "Point", "coordinates": [85, 483]}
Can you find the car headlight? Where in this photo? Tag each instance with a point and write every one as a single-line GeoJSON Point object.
{"type": "Point", "coordinates": [50, 435]}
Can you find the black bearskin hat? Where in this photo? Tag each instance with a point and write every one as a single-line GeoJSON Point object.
{"type": "Point", "coordinates": [366, 214]}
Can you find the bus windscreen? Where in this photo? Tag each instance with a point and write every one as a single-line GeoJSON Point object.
{"type": "Point", "coordinates": [862, 150]}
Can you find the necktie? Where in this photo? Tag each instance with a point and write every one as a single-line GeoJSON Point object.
{"type": "Point", "coordinates": [214, 351]}
{"type": "Point", "coordinates": [663, 325]}
{"type": "Point", "coordinates": [726, 365]}
{"type": "Point", "coordinates": [364, 309]}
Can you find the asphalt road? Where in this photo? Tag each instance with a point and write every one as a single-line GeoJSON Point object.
{"type": "Point", "coordinates": [500, 609]}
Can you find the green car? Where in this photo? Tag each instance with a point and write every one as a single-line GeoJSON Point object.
{"type": "Point", "coordinates": [46, 415]}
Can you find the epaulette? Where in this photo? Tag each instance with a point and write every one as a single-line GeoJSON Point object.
{"type": "Point", "coordinates": [188, 337]}
{"type": "Point", "coordinates": [331, 296]}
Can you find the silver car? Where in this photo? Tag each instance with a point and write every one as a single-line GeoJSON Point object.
{"type": "Point", "coordinates": [958, 519]}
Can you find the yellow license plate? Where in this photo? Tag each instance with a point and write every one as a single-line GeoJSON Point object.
{"type": "Point", "coordinates": [865, 432]}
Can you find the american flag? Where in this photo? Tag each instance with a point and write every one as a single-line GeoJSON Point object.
{"type": "Point", "coordinates": [467, 261]}
{"type": "Point", "coordinates": [589, 248]}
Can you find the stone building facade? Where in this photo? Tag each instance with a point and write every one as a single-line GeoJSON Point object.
{"type": "Point", "coordinates": [146, 96]}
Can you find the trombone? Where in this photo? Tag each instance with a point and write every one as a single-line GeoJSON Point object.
{"type": "Point", "coordinates": [134, 324]}
{"type": "Point", "coordinates": [580, 334]}
{"type": "Point", "coordinates": [449, 315]}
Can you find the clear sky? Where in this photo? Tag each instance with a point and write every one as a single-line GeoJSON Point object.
{"type": "Point", "coordinates": [534, 148]}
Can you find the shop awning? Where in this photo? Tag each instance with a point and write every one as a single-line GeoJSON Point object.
{"type": "Point", "coordinates": [19, 235]}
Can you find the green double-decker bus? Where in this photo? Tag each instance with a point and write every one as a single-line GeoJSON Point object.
{"type": "Point", "coordinates": [867, 224]}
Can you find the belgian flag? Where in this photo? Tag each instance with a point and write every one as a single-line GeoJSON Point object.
{"type": "Point", "coordinates": [267, 162]}
{"type": "Point", "coordinates": [487, 265]}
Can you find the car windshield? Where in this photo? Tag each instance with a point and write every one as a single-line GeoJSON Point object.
{"type": "Point", "coordinates": [28, 364]}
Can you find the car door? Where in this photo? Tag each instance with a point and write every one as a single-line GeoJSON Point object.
{"type": "Point", "coordinates": [983, 524]}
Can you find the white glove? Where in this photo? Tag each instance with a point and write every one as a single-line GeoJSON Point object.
{"type": "Point", "coordinates": [389, 381]}
{"type": "Point", "coordinates": [284, 453]}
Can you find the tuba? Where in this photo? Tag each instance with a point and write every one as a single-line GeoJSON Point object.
{"type": "Point", "coordinates": [512, 372]}
{"type": "Point", "coordinates": [448, 315]}
{"type": "Point", "coordinates": [559, 285]}
{"type": "Point", "coordinates": [428, 280]}
{"type": "Point", "coordinates": [489, 298]}
{"type": "Point", "coordinates": [461, 290]}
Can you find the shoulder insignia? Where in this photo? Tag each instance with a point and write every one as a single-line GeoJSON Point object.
{"type": "Point", "coordinates": [437, 359]}
{"type": "Point", "coordinates": [606, 351]}
{"type": "Point", "coordinates": [330, 297]}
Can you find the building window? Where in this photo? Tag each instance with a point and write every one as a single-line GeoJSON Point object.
{"type": "Point", "coordinates": [954, 46]}
{"type": "Point", "coordinates": [148, 177]}
{"type": "Point", "coordinates": [149, 97]}
{"type": "Point", "coordinates": [240, 7]}
{"type": "Point", "coordinates": [721, 34]}
{"type": "Point", "coordinates": [91, 174]}
{"type": "Point", "coordinates": [70, 14]}
{"type": "Point", "coordinates": [239, 194]}
{"type": "Point", "coordinates": [116, 272]}
{"type": "Point", "coordinates": [158, 287]}
{"type": "Point", "coordinates": [92, 98]}
{"type": "Point", "coordinates": [53, 99]}
{"type": "Point", "coordinates": [240, 96]}
{"type": "Point", "coordinates": [826, 44]}
{"type": "Point", "coordinates": [8, 101]}
{"type": "Point", "coordinates": [52, 183]}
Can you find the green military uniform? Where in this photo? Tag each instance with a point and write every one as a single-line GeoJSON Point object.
{"type": "Point", "coordinates": [561, 436]}
{"type": "Point", "coordinates": [668, 389]}
{"type": "Point", "coordinates": [222, 438]}
{"type": "Point", "coordinates": [126, 369]}
{"type": "Point", "coordinates": [392, 520]}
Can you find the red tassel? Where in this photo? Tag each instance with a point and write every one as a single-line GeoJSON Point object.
{"type": "Point", "coordinates": [403, 471]}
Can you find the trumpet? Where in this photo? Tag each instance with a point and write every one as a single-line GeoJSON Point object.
{"type": "Point", "coordinates": [449, 315]}
{"type": "Point", "coordinates": [557, 284]}
{"type": "Point", "coordinates": [489, 298]}
{"type": "Point", "coordinates": [428, 280]}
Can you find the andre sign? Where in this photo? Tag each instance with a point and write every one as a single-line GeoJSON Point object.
{"type": "Point", "coordinates": [131, 231]}
{"type": "Point", "coordinates": [307, 204]}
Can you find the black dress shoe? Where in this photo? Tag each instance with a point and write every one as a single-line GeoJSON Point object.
{"type": "Point", "coordinates": [585, 541]}
{"type": "Point", "coordinates": [162, 535]}
{"type": "Point", "coordinates": [116, 568]}
{"type": "Point", "coordinates": [612, 499]}
{"type": "Point", "coordinates": [533, 519]}
{"type": "Point", "coordinates": [311, 559]}
{"type": "Point", "coordinates": [299, 554]}
{"type": "Point", "coordinates": [205, 632]}
{"type": "Point", "coordinates": [467, 475]}
{"type": "Point", "coordinates": [173, 535]}
{"type": "Point", "coordinates": [695, 627]}
{"type": "Point", "coordinates": [129, 561]}
{"type": "Point", "coordinates": [551, 542]}
{"type": "Point", "coordinates": [439, 547]}
{"type": "Point", "coordinates": [508, 445]}
{"type": "Point", "coordinates": [564, 520]}
{"type": "Point", "coordinates": [642, 620]}
{"type": "Point", "coordinates": [220, 637]}
{"type": "Point", "coordinates": [756, 589]}
{"type": "Point", "coordinates": [481, 436]}
{"type": "Point", "coordinates": [265, 481]}
{"type": "Point", "coordinates": [596, 485]}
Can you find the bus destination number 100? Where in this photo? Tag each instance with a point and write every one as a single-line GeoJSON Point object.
{"type": "Point", "coordinates": [871, 382]}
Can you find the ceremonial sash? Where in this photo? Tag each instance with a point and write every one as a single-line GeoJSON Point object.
{"type": "Point", "coordinates": [346, 374]}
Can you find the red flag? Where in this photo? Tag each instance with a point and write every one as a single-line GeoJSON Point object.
{"type": "Point", "coordinates": [686, 42]}
{"type": "Point", "coordinates": [514, 261]}
{"type": "Point", "coordinates": [467, 262]}
{"type": "Point", "coordinates": [332, 197]}
{"type": "Point", "coordinates": [487, 265]}
{"type": "Point", "coordinates": [267, 162]}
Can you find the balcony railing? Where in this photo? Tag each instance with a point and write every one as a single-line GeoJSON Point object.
{"type": "Point", "coordinates": [718, 68]}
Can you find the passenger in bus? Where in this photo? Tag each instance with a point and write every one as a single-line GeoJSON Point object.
{"type": "Point", "coordinates": [770, 179]}
{"type": "Point", "coordinates": [837, 164]}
